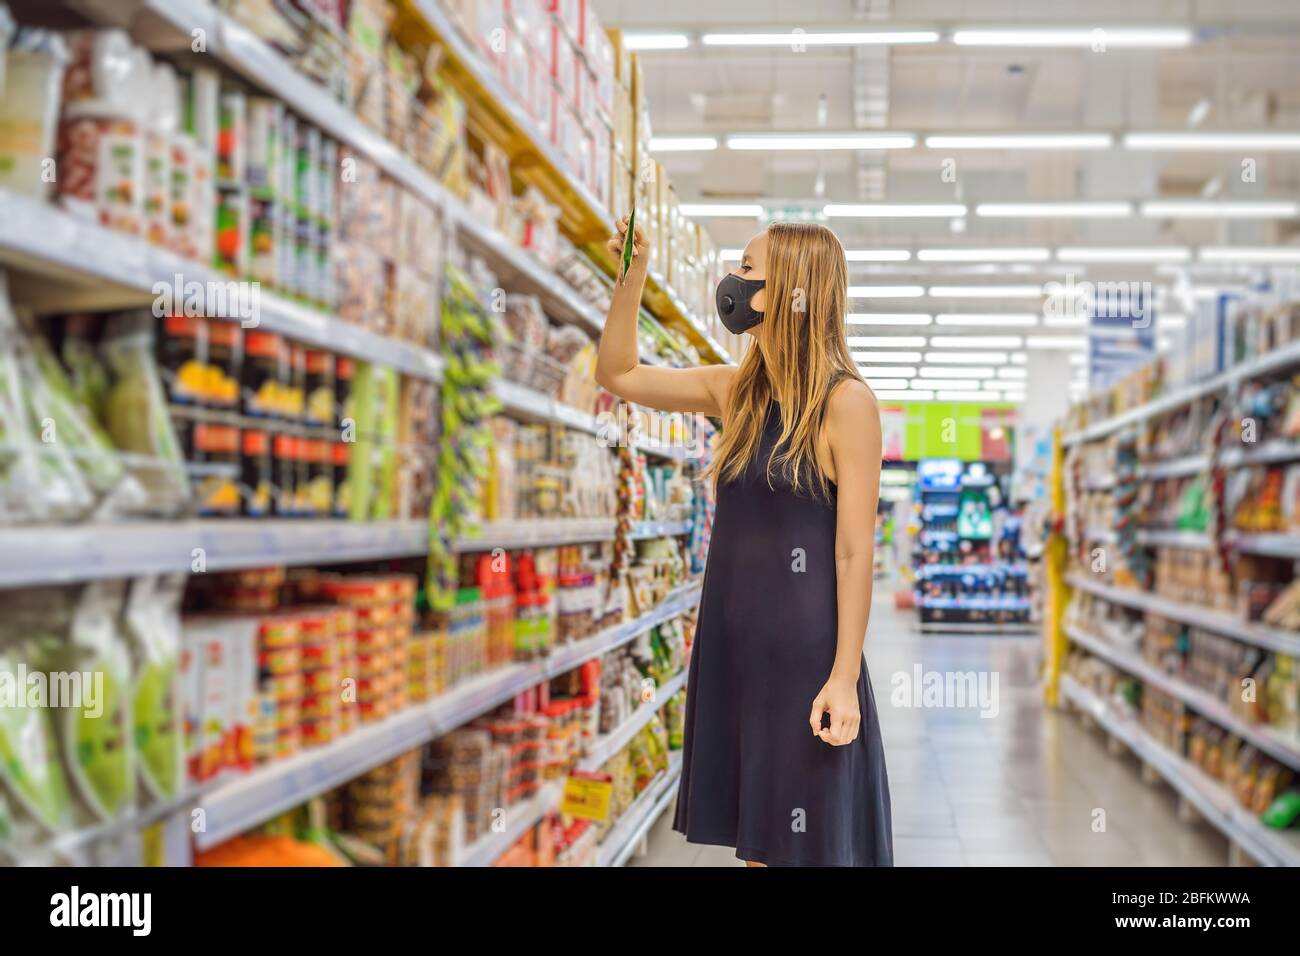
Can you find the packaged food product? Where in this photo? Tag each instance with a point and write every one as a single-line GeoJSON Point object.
{"type": "Point", "coordinates": [161, 130]}
{"type": "Point", "coordinates": [224, 369]}
{"type": "Point", "coordinates": [233, 225]}
{"type": "Point", "coordinates": [257, 474]}
{"type": "Point", "coordinates": [29, 109]}
{"type": "Point", "coordinates": [135, 412]}
{"type": "Point", "coordinates": [153, 628]}
{"type": "Point", "coordinates": [266, 377]}
{"type": "Point", "coordinates": [32, 778]}
{"type": "Point", "coordinates": [101, 165]}
{"type": "Point", "coordinates": [232, 140]}
{"type": "Point", "coordinates": [95, 738]}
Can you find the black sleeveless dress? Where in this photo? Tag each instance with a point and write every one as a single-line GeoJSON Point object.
{"type": "Point", "coordinates": [753, 775]}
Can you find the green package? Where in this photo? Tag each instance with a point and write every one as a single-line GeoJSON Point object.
{"type": "Point", "coordinates": [153, 628]}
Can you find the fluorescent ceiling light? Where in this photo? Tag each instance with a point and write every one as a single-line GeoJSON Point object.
{"type": "Point", "coordinates": [656, 41]}
{"type": "Point", "coordinates": [888, 318]}
{"type": "Point", "coordinates": [1097, 38]}
{"type": "Point", "coordinates": [1021, 141]}
{"type": "Point", "coordinates": [829, 38]}
{"type": "Point", "coordinates": [907, 358]}
{"type": "Point", "coordinates": [1208, 141]}
{"type": "Point", "coordinates": [887, 210]}
{"type": "Point", "coordinates": [986, 291]}
{"type": "Point", "coordinates": [976, 341]}
{"type": "Point", "coordinates": [988, 320]}
{"type": "Point", "coordinates": [1220, 209]}
{"type": "Point", "coordinates": [1056, 342]}
{"type": "Point", "coordinates": [889, 383]}
{"type": "Point", "coordinates": [900, 395]}
{"type": "Point", "coordinates": [887, 341]}
{"type": "Point", "coordinates": [737, 210]}
{"type": "Point", "coordinates": [732, 255]}
{"type": "Point", "coordinates": [1054, 210]}
{"type": "Point", "coordinates": [1019, 358]}
{"type": "Point", "coordinates": [1001, 385]}
{"type": "Point", "coordinates": [877, 255]}
{"type": "Point", "coordinates": [1016, 373]}
{"type": "Point", "coordinates": [976, 395]}
{"type": "Point", "coordinates": [955, 371]}
{"type": "Point", "coordinates": [1123, 254]}
{"type": "Point", "coordinates": [1250, 254]}
{"type": "Point", "coordinates": [847, 140]}
{"type": "Point", "coordinates": [886, 291]}
{"type": "Point", "coordinates": [983, 255]}
{"type": "Point", "coordinates": [888, 371]}
{"type": "Point", "coordinates": [953, 383]}
{"type": "Point", "coordinates": [682, 144]}
{"type": "Point", "coordinates": [966, 358]}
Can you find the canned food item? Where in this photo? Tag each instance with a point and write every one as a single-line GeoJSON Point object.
{"type": "Point", "coordinates": [232, 132]}
{"type": "Point", "coordinates": [216, 448]}
{"type": "Point", "coordinates": [257, 476]}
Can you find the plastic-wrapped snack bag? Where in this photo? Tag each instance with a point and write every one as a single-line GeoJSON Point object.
{"type": "Point", "coordinates": [136, 415]}
{"type": "Point", "coordinates": [95, 735]}
{"type": "Point", "coordinates": [20, 476]}
{"type": "Point", "coordinates": [31, 776]}
{"type": "Point", "coordinates": [153, 628]}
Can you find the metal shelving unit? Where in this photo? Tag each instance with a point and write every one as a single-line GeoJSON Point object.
{"type": "Point", "coordinates": [622, 840]}
{"type": "Point", "coordinates": [1209, 797]}
{"type": "Point", "coordinates": [1262, 736]}
{"type": "Point", "coordinates": [1262, 365]}
{"type": "Point", "coordinates": [244, 802]}
{"type": "Point", "coordinates": [1271, 638]}
{"type": "Point", "coordinates": [521, 818]}
{"type": "Point", "coordinates": [610, 744]}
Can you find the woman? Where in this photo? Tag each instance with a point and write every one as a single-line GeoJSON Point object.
{"type": "Point", "coordinates": [782, 758]}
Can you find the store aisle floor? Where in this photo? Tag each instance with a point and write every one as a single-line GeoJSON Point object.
{"type": "Point", "coordinates": [1021, 788]}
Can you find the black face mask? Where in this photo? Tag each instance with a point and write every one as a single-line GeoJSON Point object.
{"type": "Point", "coordinates": [733, 297]}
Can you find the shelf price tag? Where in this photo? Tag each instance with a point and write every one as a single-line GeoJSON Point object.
{"type": "Point", "coordinates": [587, 795]}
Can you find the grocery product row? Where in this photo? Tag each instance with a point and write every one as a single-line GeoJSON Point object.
{"type": "Point", "coordinates": [243, 691]}
{"type": "Point", "coordinates": [1181, 635]}
{"type": "Point", "coordinates": [313, 196]}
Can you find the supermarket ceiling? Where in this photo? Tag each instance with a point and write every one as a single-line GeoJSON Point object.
{"type": "Point", "coordinates": [979, 67]}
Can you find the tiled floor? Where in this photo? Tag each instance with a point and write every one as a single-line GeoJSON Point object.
{"type": "Point", "coordinates": [1027, 787]}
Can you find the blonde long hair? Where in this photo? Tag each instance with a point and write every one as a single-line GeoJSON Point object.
{"type": "Point", "coordinates": [800, 355]}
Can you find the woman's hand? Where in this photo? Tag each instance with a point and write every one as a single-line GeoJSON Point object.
{"type": "Point", "coordinates": [839, 698]}
{"type": "Point", "coordinates": [640, 245]}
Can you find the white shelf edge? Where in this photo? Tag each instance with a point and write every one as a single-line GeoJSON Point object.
{"type": "Point", "coordinates": [1269, 638]}
{"type": "Point", "coordinates": [1209, 797]}
{"type": "Point", "coordinates": [249, 800]}
{"type": "Point", "coordinates": [46, 239]}
{"type": "Point", "coordinates": [489, 847]}
{"type": "Point", "coordinates": [1202, 702]}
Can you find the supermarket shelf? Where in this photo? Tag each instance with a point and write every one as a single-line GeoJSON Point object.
{"type": "Point", "coordinates": [660, 529]}
{"type": "Point", "coordinates": [568, 656]}
{"type": "Point", "coordinates": [1210, 798]}
{"type": "Point", "coordinates": [1180, 467]}
{"type": "Point", "coordinates": [621, 841]}
{"type": "Point", "coordinates": [936, 570]}
{"type": "Point", "coordinates": [532, 157]}
{"type": "Point", "coordinates": [1209, 706]}
{"type": "Point", "coordinates": [86, 264]}
{"type": "Point", "coordinates": [47, 554]}
{"type": "Point", "coordinates": [1268, 545]}
{"type": "Point", "coordinates": [1009, 628]}
{"type": "Point", "coordinates": [255, 60]}
{"type": "Point", "coordinates": [521, 818]}
{"type": "Point", "coordinates": [1273, 639]}
{"type": "Point", "coordinates": [78, 845]}
{"type": "Point", "coordinates": [247, 801]}
{"type": "Point", "coordinates": [1274, 361]}
{"type": "Point", "coordinates": [1173, 538]}
{"type": "Point", "coordinates": [537, 533]}
{"type": "Point", "coordinates": [530, 405]}
{"type": "Point", "coordinates": [614, 741]}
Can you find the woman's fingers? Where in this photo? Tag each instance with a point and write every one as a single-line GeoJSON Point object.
{"type": "Point", "coordinates": [815, 718]}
